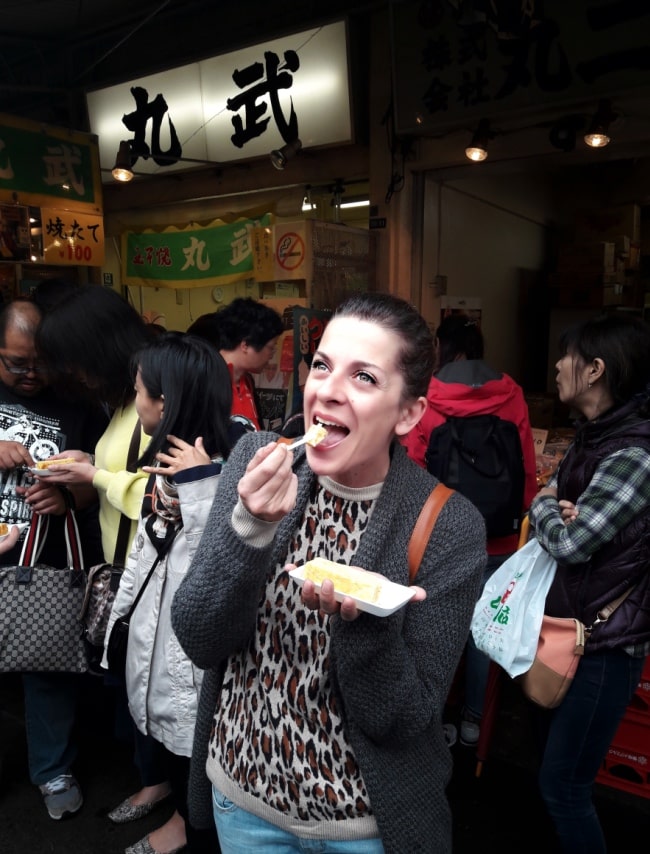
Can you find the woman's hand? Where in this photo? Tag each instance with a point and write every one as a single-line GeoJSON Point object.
{"type": "Point", "coordinates": [8, 542]}
{"type": "Point", "coordinates": [180, 455]}
{"type": "Point", "coordinates": [81, 471]}
{"type": "Point", "coordinates": [269, 487]}
{"type": "Point", "coordinates": [325, 602]}
{"type": "Point", "coordinates": [568, 510]}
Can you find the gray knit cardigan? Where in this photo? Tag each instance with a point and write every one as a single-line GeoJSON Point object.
{"type": "Point", "coordinates": [392, 674]}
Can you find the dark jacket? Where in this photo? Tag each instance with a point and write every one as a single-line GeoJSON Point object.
{"type": "Point", "coordinates": [472, 387]}
{"type": "Point", "coordinates": [580, 590]}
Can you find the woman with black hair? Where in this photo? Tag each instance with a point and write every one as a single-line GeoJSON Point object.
{"type": "Point", "coordinates": [183, 402]}
{"type": "Point", "coordinates": [593, 517]}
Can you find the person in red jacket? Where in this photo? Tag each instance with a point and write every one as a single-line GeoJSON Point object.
{"type": "Point", "coordinates": [464, 384]}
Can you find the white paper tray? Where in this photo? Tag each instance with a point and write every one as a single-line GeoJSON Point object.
{"type": "Point", "coordinates": [392, 596]}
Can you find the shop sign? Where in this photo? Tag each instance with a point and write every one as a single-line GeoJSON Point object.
{"type": "Point", "coordinates": [41, 165]}
{"type": "Point", "coordinates": [455, 63]}
{"type": "Point", "coordinates": [233, 106]}
{"type": "Point", "coordinates": [191, 257]}
{"type": "Point", "coordinates": [263, 264]}
{"type": "Point", "coordinates": [72, 238]}
{"type": "Point", "coordinates": [283, 254]}
{"type": "Point", "coordinates": [308, 327]}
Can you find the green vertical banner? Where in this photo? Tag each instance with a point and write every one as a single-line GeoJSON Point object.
{"type": "Point", "coordinates": [191, 257]}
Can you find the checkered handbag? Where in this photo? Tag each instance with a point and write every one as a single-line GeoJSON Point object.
{"type": "Point", "coordinates": [40, 630]}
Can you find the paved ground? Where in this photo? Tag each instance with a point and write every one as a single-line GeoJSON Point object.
{"type": "Point", "coordinates": [499, 811]}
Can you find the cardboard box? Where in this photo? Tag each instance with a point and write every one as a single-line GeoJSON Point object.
{"type": "Point", "coordinates": [596, 257]}
{"type": "Point", "coordinates": [606, 224]}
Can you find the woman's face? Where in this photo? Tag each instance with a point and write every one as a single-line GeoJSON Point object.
{"type": "Point", "coordinates": [572, 379]}
{"type": "Point", "coordinates": [355, 389]}
{"type": "Point", "coordinates": [149, 409]}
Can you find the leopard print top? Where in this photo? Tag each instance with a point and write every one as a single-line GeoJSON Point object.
{"type": "Point", "coordinates": [284, 746]}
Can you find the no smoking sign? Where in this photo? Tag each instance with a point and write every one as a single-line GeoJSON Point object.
{"type": "Point", "coordinates": [290, 251]}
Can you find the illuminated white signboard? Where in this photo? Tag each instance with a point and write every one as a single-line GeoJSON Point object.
{"type": "Point", "coordinates": [231, 107]}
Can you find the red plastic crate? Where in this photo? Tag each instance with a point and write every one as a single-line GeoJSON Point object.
{"type": "Point", "coordinates": [627, 764]}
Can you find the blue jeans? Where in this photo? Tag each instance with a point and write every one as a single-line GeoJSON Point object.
{"type": "Point", "coordinates": [476, 662]}
{"type": "Point", "coordinates": [50, 709]}
{"type": "Point", "coordinates": [575, 739]}
{"type": "Point", "coordinates": [241, 831]}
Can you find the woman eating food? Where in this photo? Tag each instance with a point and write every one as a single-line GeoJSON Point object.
{"type": "Point", "coordinates": [319, 720]}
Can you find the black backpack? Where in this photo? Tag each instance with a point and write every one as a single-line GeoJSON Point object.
{"type": "Point", "coordinates": [481, 457]}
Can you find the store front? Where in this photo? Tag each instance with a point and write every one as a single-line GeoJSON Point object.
{"type": "Point", "coordinates": [544, 228]}
{"type": "Point", "coordinates": [51, 208]}
{"type": "Point", "coordinates": [258, 139]}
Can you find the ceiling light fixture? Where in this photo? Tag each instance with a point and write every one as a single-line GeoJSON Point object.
{"type": "Point", "coordinates": [477, 149]}
{"type": "Point", "coordinates": [597, 135]}
{"type": "Point", "coordinates": [123, 169]}
{"type": "Point", "coordinates": [127, 155]}
{"type": "Point", "coordinates": [356, 203]}
{"type": "Point", "coordinates": [281, 156]}
{"type": "Point", "coordinates": [307, 203]}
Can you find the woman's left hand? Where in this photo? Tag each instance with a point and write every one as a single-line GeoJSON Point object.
{"type": "Point", "coordinates": [180, 456]}
{"type": "Point", "coordinates": [324, 600]}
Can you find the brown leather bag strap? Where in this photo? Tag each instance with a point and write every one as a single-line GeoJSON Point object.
{"type": "Point", "coordinates": [424, 526]}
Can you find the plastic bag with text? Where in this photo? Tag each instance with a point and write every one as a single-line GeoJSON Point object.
{"type": "Point", "coordinates": [508, 615]}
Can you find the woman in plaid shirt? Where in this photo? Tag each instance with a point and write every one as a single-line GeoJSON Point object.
{"type": "Point", "coordinates": [594, 518]}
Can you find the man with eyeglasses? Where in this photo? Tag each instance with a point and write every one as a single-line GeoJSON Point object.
{"type": "Point", "coordinates": [36, 424]}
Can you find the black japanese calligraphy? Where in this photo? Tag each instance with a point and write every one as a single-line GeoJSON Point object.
{"type": "Point", "coordinates": [137, 123]}
{"type": "Point", "coordinates": [272, 78]}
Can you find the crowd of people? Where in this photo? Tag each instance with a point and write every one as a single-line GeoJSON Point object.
{"type": "Point", "coordinates": [275, 716]}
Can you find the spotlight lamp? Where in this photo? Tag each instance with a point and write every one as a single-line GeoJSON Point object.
{"type": "Point", "coordinates": [123, 169]}
{"type": "Point", "coordinates": [477, 149]}
{"type": "Point", "coordinates": [281, 156]}
{"type": "Point", "coordinates": [597, 135]}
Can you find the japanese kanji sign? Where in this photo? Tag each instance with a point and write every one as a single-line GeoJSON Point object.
{"type": "Point", "coordinates": [72, 238]}
{"type": "Point", "coordinates": [41, 165]}
{"type": "Point", "coordinates": [237, 105]}
{"type": "Point", "coordinates": [456, 62]}
{"type": "Point", "coordinates": [192, 257]}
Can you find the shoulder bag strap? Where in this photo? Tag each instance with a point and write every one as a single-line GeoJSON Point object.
{"type": "Point", "coordinates": [73, 541]}
{"type": "Point", "coordinates": [424, 526]}
{"type": "Point", "coordinates": [159, 557]}
{"type": "Point", "coordinates": [34, 540]}
{"type": "Point", "coordinates": [124, 529]}
{"type": "Point", "coordinates": [606, 612]}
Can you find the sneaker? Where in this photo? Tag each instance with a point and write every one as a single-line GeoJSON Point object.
{"type": "Point", "coordinates": [469, 733]}
{"type": "Point", "coordinates": [450, 732]}
{"type": "Point", "coordinates": [62, 796]}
